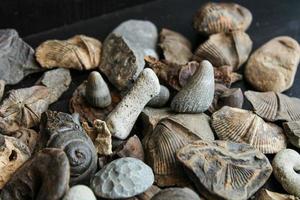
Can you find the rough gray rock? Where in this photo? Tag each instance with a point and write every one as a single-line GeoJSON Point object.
{"type": "Point", "coordinates": [122, 178]}
{"type": "Point", "coordinates": [292, 130]}
{"type": "Point", "coordinates": [79, 192]}
{"type": "Point", "coordinates": [16, 57]}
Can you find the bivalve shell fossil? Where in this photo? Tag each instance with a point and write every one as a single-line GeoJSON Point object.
{"type": "Point", "coordinates": [222, 17]}
{"type": "Point", "coordinates": [243, 126]}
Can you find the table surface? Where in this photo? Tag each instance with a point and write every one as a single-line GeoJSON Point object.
{"type": "Point", "coordinates": [271, 18]}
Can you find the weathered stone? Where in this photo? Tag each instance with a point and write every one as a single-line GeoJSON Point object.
{"type": "Point", "coordinates": [2, 88]}
{"type": "Point", "coordinates": [176, 194]}
{"type": "Point", "coordinates": [124, 51]}
{"type": "Point", "coordinates": [225, 170]}
{"type": "Point", "coordinates": [16, 57]}
{"type": "Point", "coordinates": [273, 66]}
{"type": "Point", "coordinates": [161, 99]}
{"type": "Point", "coordinates": [79, 192]}
{"type": "Point", "coordinates": [122, 178]}
{"type": "Point", "coordinates": [265, 194]}
{"type": "Point", "coordinates": [292, 130]}
{"type": "Point", "coordinates": [132, 148]}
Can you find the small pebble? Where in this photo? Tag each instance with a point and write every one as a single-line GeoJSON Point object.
{"type": "Point", "coordinates": [79, 192]}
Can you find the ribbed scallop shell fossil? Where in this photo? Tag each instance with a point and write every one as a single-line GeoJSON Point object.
{"type": "Point", "coordinates": [170, 134]}
{"type": "Point", "coordinates": [197, 95]}
{"type": "Point", "coordinates": [243, 126]}
{"type": "Point", "coordinates": [222, 49]}
{"type": "Point", "coordinates": [274, 106]}
{"type": "Point", "coordinates": [97, 92]}
{"type": "Point", "coordinates": [79, 52]}
{"type": "Point", "coordinates": [222, 17]}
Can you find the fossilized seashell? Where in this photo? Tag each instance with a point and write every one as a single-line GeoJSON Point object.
{"type": "Point", "coordinates": [122, 178]}
{"type": "Point", "coordinates": [97, 92]}
{"type": "Point", "coordinates": [286, 165]}
{"type": "Point", "coordinates": [222, 17]}
{"type": "Point", "coordinates": [27, 136]}
{"type": "Point", "coordinates": [121, 120]}
{"type": "Point", "coordinates": [23, 108]}
{"type": "Point", "coordinates": [225, 75]}
{"type": "Point", "coordinates": [222, 49]}
{"type": "Point", "coordinates": [60, 131]}
{"type": "Point", "coordinates": [169, 135]}
{"type": "Point", "coordinates": [274, 106]}
{"type": "Point", "coordinates": [265, 194]}
{"type": "Point", "coordinates": [79, 52]}
{"type": "Point", "coordinates": [161, 99]}
{"type": "Point", "coordinates": [2, 87]}
{"type": "Point", "coordinates": [243, 126]}
{"type": "Point", "coordinates": [176, 48]}
{"type": "Point", "coordinates": [224, 169]}
{"type": "Point", "coordinates": [198, 94]}
{"type": "Point", "coordinates": [132, 148]}
{"type": "Point", "coordinates": [273, 66]}
{"type": "Point", "coordinates": [176, 194]}
{"type": "Point", "coordinates": [292, 130]}
{"type": "Point", "coordinates": [44, 177]}
{"type": "Point", "coordinates": [13, 154]}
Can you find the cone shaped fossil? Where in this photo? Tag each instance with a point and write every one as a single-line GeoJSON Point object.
{"type": "Point", "coordinates": [243, 126]}
{"type": "Point", "coordinates": [79, 52]}
{"type": "Point", "coordinates": [222, 49]}
{"type": "Point", "coordinates": [222, 17]}
{"type": "Point", "coordinates": [169, 135]}
{"type": "Point", "coordinates": [224, 169]}
{"type": "Point", "coordinates": [274, 106]}
{"type": "Point", "coordinates": [273, 66]}
{"type": "Point", "coordinates": [198, 94]}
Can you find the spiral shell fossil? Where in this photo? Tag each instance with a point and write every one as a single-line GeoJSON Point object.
{"type": "Point", "coordinates": [198, 94]}
{"type": "Point", "coordinates": [274, 106]}
{"type": "Point", "coordinates": [60, 131]}
{"type": "Point", "coordinates": [222, 49]}
{"type": "Point", "coordinates": [243, 126]}
{"type": "Point", "coordinates": [222, 17]}
{"type": "Point", "coordinates": [79, 52]}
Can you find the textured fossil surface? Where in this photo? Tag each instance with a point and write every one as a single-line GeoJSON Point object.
{"type": "Point", "coordinates": [176, 194]}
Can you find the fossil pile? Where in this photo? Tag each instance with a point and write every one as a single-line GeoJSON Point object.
{"type": "Point", "coordinates": [154, 118]}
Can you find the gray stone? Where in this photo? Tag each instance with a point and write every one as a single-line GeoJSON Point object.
{"type": "Point", "coordinates": [79, 192]}
{"type": "Point", "coordinates": [124, 51]}
{"type": "Point", "coordinates": [176, 194]}
{"type": "Point", "coordinates": [292, 130]}
{"type": "Point", "coordinates": [2, 88]}
{"type": "Point", "coordinates": [122, 178]}
{"type": "Point", "coordinates": [161, 99]}
{"type": "Point", "coordinates": [16, 57]}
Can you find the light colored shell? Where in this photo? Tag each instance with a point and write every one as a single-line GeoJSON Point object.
{"type": "Point", "coordinates": [161, 99]}
{"type": "Point", "coordinates": [243, 126]}
{"type": "Point", "coordinates": [79, 52]}
{"type": "Point", "coordinates": [273, 66]}
{"type": "Point", "coordinates": [171, 134]}
{"type": "Point", "coordinates": [292, 130]}
{"type": "Point", "coordinates": [286, 167]}
{"type": "Point", "coordinates": [197, 95]}
{"type": "Point", "coordinates": [274, 106]}
{"type": "Point", "coordinates": [97, 93]}
{"type": "Point", "coordinates": [265, 194]}
{"type": "Point", "coordinates": [222, 17]}
{"type": "Point", "coordinates": [222, 49]}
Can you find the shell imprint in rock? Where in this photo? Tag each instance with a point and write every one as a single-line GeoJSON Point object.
{"type": "Point", "coordinates": [265, 194]}
{"type": "Point", "coordinates": [13, 153]}
{"type": "Point", "coordinates": [79, 192]}
{"type": "Point", "coordinates": [286, 165]}
{"type": "Point", "coordinates": [171, 134]}
{"type": "Point", "coordinates": [79, 52]}
{"type": "Point", "coordinates": [60, 131]}
{"type": "Point", "coordinates": [292, 130]}
{"type": "Point", "coordinates": [176, 48]}
{"type": "Point", "coordinates": [274, 106]}
{"type": "Point", "coordinates": [224, 169]}
{"type": "Point", "coordinates": [23, 108]}
{"type": "Point", "coordinates": [222, 49]}
{"type": "Point", "coordinates": [44, 177]}
{"type": "Point", "coordinates": [97, 92]}
{"type": "Point", "coordinates": [161, 99]}
{"type": "Point", "coordinates": [122, 178]}
{"type": "Point", "coordinates": [124, 50]}
{"type": "Point", "coordinates": [243, 126]}
{"type": "Point", "coordinates": [273, 66]}
{"type": "Point", "coordinates": [16, 57]}
{"type": "Point", "coordinates": [176, 194]}
{"type": "Point", "coordinates": [197, 95]}
{"type": "Point", "coordinates": [121, 120]}
{"type": "Point", "coordinates": [222, 17]}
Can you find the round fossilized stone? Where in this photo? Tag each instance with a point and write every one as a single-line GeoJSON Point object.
{"type": "Point", "coordinates": [286, 165]}
{"type": "Point", "coordinates": [122, 178]}
{"type": "Point", "coordinates": [79, 192]}
{"type": "Point", "coordinates": [273, 66]}
{"type": "Point", "coordinates": [225, 170]}
{"type": "Point", "coordinates": [176, 194]}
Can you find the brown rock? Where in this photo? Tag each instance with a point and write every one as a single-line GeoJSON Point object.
{"type": "Point", "coordinates": [225, 75]}
{"type": "Point", "coordinates": [27, 136]}
{"type": "Point", "coordinates": [225, 170]}
{"type": "Point", "coordinates": [132, 148]}
{"type": "Point", "coordinates": [273, 66]}
{"type": "Point", "coordinates": [265, 194]}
